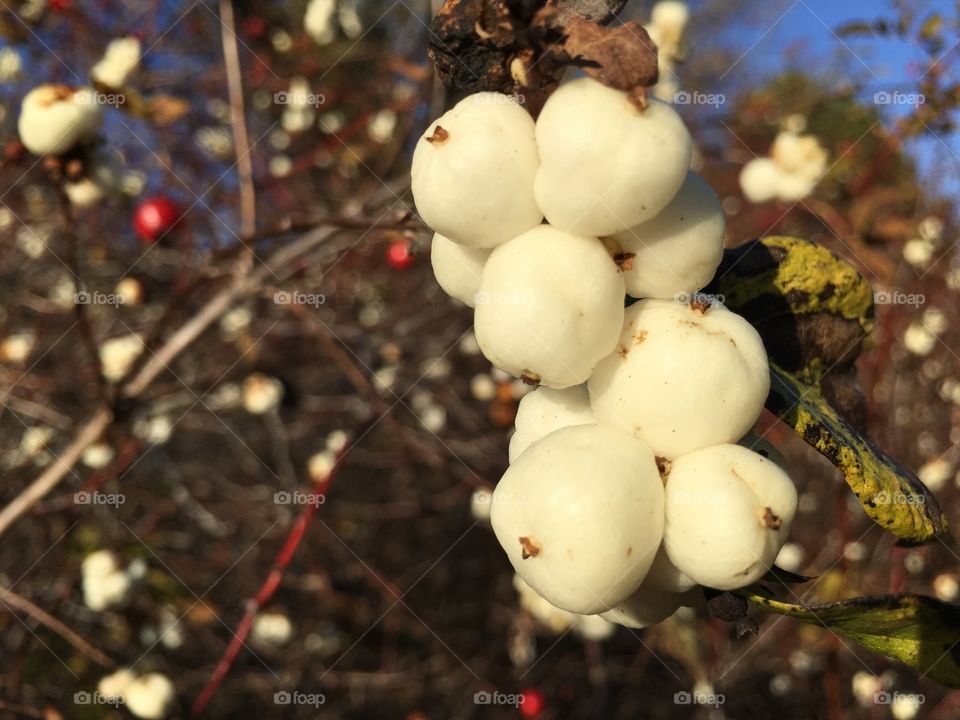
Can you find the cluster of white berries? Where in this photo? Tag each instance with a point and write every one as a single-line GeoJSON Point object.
{"type": "Point", "coordinates": [795, 166]}
{"type": "Point", "coordinates": [668, 20]}
{"type": "Point", "coordinates": [627, 488]}
{"type": "Point", "coordinates": [150, 696]}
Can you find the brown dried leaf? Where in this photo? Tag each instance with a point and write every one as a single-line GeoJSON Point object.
{"type": "Point", "coordinates": [623, 57]}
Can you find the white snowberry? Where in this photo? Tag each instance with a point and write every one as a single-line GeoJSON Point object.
{"type": "Point", "coordinates": [473, 171]}
{"type": "Point", "coordinates": [550, 306]}
{"type": "Point", "coordinates": [54, 118]}
{"type": "Point", "coordinates": [665, 577]}
{"type": "Point", "coordinates": [580, 515]}
{"type": "Point", "coordinates": [646, 607]}
{"type": "Point", "coordinates": [760, 180]}
{"type": "Point", "coordinates": [118, 63]}
{"type": "Point", "coordinates": [728, 512]}
{"type": "Point", "coordinates": [684, 376]}
{"type": "Point", "coordinates": [677, 251]}
{"type": "Point", "coordinates": [545, 410]}
{"type": "Point", "coordinates": [458, 268]}
{"type": "Point", "coordinates": [605, 164]}
{"type": "Point", "coordinates": [150, 696]}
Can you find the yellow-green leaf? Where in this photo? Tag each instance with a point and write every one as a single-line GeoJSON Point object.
{"type": "Point", "coordinates": [890, 494]}
{"type": "Point", "coordinates": [919, 631]}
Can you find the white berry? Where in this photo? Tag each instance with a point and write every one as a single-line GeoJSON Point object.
{"type": "Point", "coordinates": [677, 251]}
{"type": "Point", "coordinates": [580, 515]}
{"type": "Point", "coordinates": [54, 118]}
{"type": "Point", "coordinates": [645, 607]}
{"type": "Point", "coordinates": [550, 306]}
{"type": "Point", "coordinates": [546, 410]}
{"type": "Point", "coordinates": [458, 268]}
{"type": "Point", "coordinates": [683, 377]}
{"type": "Point", "coordinates": [664, 576]}
{"type": "Point", "coordinates": [150, 696]}
{"type": "Point", "coordinates": [728, 512]}
{"type": "Point", "coordinates": [473, 171]}
{"type": "Point", "coordinates": [605, 164]}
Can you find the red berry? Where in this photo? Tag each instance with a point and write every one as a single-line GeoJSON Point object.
{"type": "Point", "coordinates": [154, 217]}
{"type": "Point", "coordinates": [400, 254]}
{"type": "Point", "coordinates": [533, 703]}
{"type": "Point", "coordinates": [59, 4]}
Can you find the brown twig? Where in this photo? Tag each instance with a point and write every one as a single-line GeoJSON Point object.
{"type": "Point", "coordinates": [242, 286]}
{"type": "Point", "coordinates": [13, 601]}
{"type": "Point", "coordinates": [231, 61]}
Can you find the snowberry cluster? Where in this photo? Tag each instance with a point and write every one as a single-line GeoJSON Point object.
{"type": "Point", "coordinates": [627, 487]}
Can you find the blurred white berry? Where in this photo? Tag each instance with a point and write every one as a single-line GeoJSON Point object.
{"type": "Point", "coordinates": [118, 62]}
{"type": "Point", "coordinates": [382, 126]}
{"type": "Point", "coordinates": [919, 340]}
{"type": "Point", "coordinates": [946, 587]}
{"type": "Point", "coordinates": [261, 393]}
{"type": "Point", "coordinates": [104, 583]}
{"type": "Point", "coordinates": [130, 291]}
{"type": "Point", "coordinates": [54, 118]}
{"type": "Point", "coordinates": [480, 500]}
{"type": "Point", "coordinates": [320, 465]}
{"type": "Point", "coordinates": [150, 696]}
{"type": "Point", "coordinates": [16, 348]}
{"type": "Point", "coordinates": [482, 387]}
{"type": "Point", "coordinates": [117, 355]}
{"type": "Point", "coordinates": [319, 21]}
{"type": "Point", "coordinates": [98, 455]}
{"type": "Point", "coordinates": [271, 628]}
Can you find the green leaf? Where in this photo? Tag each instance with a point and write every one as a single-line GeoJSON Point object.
{"type": "Point", "coordinates": [814, 311]}
{"type": "Point", "coordinates": [919, 631]}
{"type": "Point", "coordinates": [890, 494]}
